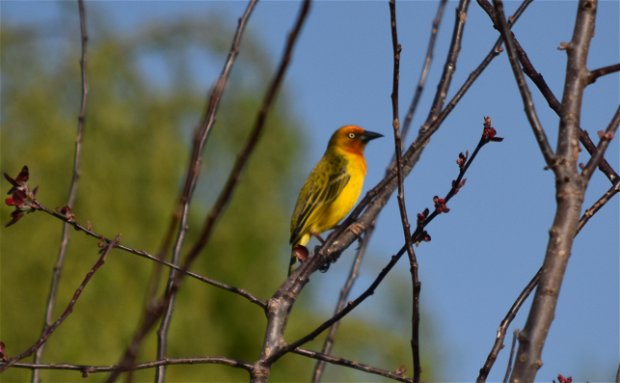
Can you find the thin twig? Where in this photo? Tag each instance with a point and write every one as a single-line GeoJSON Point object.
{"type": "Point", "coordinates": [326, 349]}
{"type": "Point", "coordinates": [86, 370]}
{"type": "Point", "coordinates": [425, 68]}
{"type": "Point", "coordinates": [449, 67]}
{"type": "Point", "coordinates": [64, 242]}
{"type": "Point", "coordinates": [67, 311]}
{"type": "Point", "coordinates": [605, 138]}
{"type": "Point", "coordinates": [499, 21]}
{"type": "Point", "coordinates": [596, 73]}
{"type": "Point", "coordinates": [503, 327]}
{"type": "Point", "coordinates": [473, 76]}
{"type": "Point", "coordinates": [352, 364]}
{"type": "Point", "coordinates": [141, 253]}
{"type": "Point", "coordinates": [596, 206]}
{"type": "Point", "coordinates": [515, 334]}
{"type": "Point", "coordinates": [191, 179]}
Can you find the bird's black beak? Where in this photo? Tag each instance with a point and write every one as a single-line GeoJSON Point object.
{"type": "Point", "coordinates": [368, 135]}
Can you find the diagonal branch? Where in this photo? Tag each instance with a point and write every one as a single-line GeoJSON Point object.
{"type": "Point", "coordinates": [141, 253]}
{"type": "Point", "coordinates": [499, 21]}
{"type": "Point", "coordinates": [351, 364]}
{"type": "Point", "coordinates": [503, 327]}
{"type": "Point", "coordinates": [64, 242]}
{"type": "Point", "coordinates": [128, 358]}
{"type": "Point", "coordinates": [425, 68]}
{"type": "Point", "coordinates": [449, 67]}
{"type": "Point", "coordinates": [192, 176]}
{"type": "Point", "coordinates": [67, 311]}
{"type": "Point", "coordinates": [342, 301]}
{"type": "Point", "coordinates": [605, 138]}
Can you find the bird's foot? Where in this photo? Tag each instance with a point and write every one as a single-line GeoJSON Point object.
{"type": "Point", "coordinates": [356, 228]}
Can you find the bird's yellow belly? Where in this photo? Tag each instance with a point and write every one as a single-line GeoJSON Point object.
{"type": "Point", "coordinates": [343, 204]}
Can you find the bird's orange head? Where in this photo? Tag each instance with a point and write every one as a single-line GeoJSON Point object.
{"type": "Point", "coordinates": [352, 139]}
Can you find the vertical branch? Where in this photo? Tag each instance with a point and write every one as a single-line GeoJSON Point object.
{"type": "Point", "coordinates": [413, 263]}
{"type": "Point", "coordinates": [342, 302]}
{"type": "Point", "coordinates": [64, 242]}
{"type": "Point", "coordinates": [570, 189]}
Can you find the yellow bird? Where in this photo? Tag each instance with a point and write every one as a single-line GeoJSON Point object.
{"type": "Point", "coordinates": [332, 188]}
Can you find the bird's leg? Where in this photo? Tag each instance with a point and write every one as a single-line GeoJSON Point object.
{"type": "Point", "coordinates": [318, 236]}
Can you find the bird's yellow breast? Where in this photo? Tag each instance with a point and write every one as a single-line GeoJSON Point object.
{"type": "Point", "coordinates": [342, 205]}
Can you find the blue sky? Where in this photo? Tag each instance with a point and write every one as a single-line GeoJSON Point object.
{"type": "Point", "coordinates": [493, 240]}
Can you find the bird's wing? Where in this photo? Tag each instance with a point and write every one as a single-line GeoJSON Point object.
{"type": "Point", "coordinates": [318, 196]}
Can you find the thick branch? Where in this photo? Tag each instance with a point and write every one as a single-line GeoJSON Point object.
{"type": "Point", "coordinates": [570, 188]}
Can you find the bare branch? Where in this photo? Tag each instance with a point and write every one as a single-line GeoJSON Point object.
{"type": "Point", "coordinates": [589, 213]}
{"type": "Point", "coordinates": [352, 364]}
{"type": "Point", "coordinates": [554, 103]}
{"type": "Point", "coordinates": [141, 253]}
{"type": "Point", "coordinates": [499, 20]}
{"type": "Point", "coordinates": [425, 68]}
{"type": "Point", "coordinates": [86, 370]}
{"type": "Point", "coordinates": [67, 311]}
{"type": "Point", "coordinates": [192, 176]}
{"type": "Point", "coordinates": [513, 345]}
{"type": "Point", "coordinates": [603, 71]}
{"type": "Point", "coordinates": [342, 301]}
{"type": "Point", "coordinates": [605, 138]}
{"type": "Point", "coordinates": [400, 196]}
{"type": "Point", "coordinates": [449, 67]}
{"type": "Point", "coordinates": [64, 242]}
{"type": "Point", "coordinates": [570, 188]}
{"type": "Point", "coordinates": [503, 327]}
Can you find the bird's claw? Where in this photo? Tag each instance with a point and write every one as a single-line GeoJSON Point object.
{"type": "Point", "coordinates": [356, 228]}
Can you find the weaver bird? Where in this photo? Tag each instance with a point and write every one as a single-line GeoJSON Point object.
{"type": "Point", "coordinates": [332, 188]}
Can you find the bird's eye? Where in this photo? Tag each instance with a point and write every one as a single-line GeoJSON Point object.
{"type": "Point", "coordinates": [351, 135]}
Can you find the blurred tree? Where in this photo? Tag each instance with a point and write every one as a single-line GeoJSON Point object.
{"type": "Point", "coordinates": [138, 129]}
